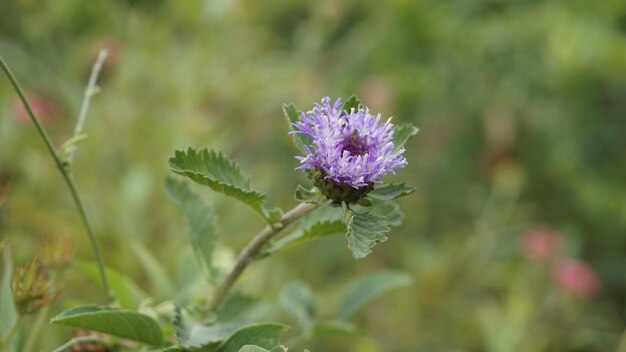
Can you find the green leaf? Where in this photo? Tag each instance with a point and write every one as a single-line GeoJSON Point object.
{"type": "Point", "coordinates": [201, 219]}
{"type": "Point", "coordinates": [200, 336]}
{"type": "Point", "coordinates": [296, 299]}
{"type": "Point", "coordinates": [292, 115]}
{"type": "Point", "coordinates": [264, 335]}
{"type": "Point", "coordinates": [155, 272]}
{"type": "Point", "coordinates": [390, 191]}
{"type": "Point", "coordinates": [126, 291]}
{"type": "Point", "coordinates": [367, 288]}
{"type": "Point", "coordinates": [364, 231]}
{"type": "Point", "coordinates": [253, 348]}
{"type": "Point", "coordinates": [390, 210]}
{"type": "Point", "coordinates": [118, 322]}
{"type": "Point", "coordinates": [214, 169]}
{"type": "Point", "coordinates": [312, 195]}
{"type": "Point", "coordinates": [402, 134]}
{"type": "Point", "coordinates": [352, 103]}
{"type": "Point", "coordinates": [324, 221]}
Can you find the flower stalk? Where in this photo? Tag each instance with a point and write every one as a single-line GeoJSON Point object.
{"type": "Point", "coordinates": [250, 252]}
{"type": "Point", "coordinates": [66, 176]}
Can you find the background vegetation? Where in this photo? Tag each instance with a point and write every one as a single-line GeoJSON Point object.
{"type": "Point", "coordinates": [522, 110]}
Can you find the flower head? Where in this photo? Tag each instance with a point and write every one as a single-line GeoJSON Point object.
{"type": "Point", "coordinates": [349, 150]}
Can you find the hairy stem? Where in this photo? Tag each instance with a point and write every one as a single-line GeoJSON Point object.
{"type": "Point", "coordinates": [66, 176]}
{"type": "Point", "coordinates": [252, 250]}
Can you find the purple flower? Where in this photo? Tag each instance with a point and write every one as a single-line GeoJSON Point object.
{"type": "Point", "coordinates": [351, 148]}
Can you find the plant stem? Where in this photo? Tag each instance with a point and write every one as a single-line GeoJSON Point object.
{"type": "Point", "coordinates": [252, 250]}
{"type": "Point", "coordinates": [77, 340]}
{"type": "Point", "coordinates": [68, 180]}
{"type": "Point", "coordinates": [33, 335]}
{"type": "Point", "coordinates": [91, 89]}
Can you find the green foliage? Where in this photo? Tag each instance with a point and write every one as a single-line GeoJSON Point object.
{"type": "Point", "coordinates": [351, 103]}
{"type": "Point", "coordinates": [265, 335]}
{"type": "Point", "coordinates": [163, 286]}
{"type": "Point", "coordinates": [324, 221]}
{"type": "Point", "coordinates": [127, 293]}
{"type": "Point", "coordinates": [201, 219]}
{"type": "Point", "coordinates": [117, 322]}
{"type": "Point", "coordinates": [292, 114]}
{"type": "Point", "coordinates": [312, 195]}
{"type": "Point", "coordinates": [390, 191]}
{"type": "Point", "coordinates": [367, 288]}
{"type": "Point", "coordinates": [364, 230]}
{"type": "Point", "coordinates": [214, 169]}
{"type": "Point", "coordinates": [402, 134]}
{"type": "Point", "coordinates": [296, 299]}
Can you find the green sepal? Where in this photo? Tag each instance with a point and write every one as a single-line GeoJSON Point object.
{"type": "Point", "coordinates": [352, 103]}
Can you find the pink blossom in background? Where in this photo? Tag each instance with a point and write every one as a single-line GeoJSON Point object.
{"type": "Point", "coordinates": [43, 108]}
{"type": "Point", "coordinates": [540, 243]}
{"type": "Point", "coordinates": [576, 277]}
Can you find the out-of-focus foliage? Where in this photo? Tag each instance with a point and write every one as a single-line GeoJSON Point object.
{"type": "Point", "coordinates": [522, 110]}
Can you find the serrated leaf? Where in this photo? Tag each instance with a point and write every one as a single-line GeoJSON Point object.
{"type": "Point", "coordinates": [304, 195]}
{"type": "Point", "coordinates": [390, 191]}
{"type": "Point", "coordinates": [118, 322]}
{"type": "Point", "coordinates": [352, 103]}
{"type": "Point", "coordinates": [324, 221]}
{"type": "Point", "coordinates": [296, 299]}
{"type": "Point", "coordinates": [216, 170]}
{"type": "Point", "coordinates": [264, 335]}
{"type": "Point", "coordinates": [8, 313]}
{"type": "Point", "coordinates": [402, 134]}
{"type": "Point", "coordinates": [292, 115]}
{"type": "Point", "coordinates": [125, 290]}
{"type": "Point", "coordinates": [369, 287]}
{"type": "Point", "coordinates": [201, 220]}
{"type": "Point", "coordinates": [253, 348]}
{"type": "Point", "coordinates": [365, 230]}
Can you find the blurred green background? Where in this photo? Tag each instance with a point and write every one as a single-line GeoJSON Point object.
{"type": "Point", "coordinates": [522, 111]}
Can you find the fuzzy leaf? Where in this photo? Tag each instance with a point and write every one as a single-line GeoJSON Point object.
{"type": "Point", "coordinates": [390, 191]}
{"type": "Point", "coordinates": [402, 134]}
{"type": "Point", "coordinates": [312, 195]}
{"type": "Point", "coordinates": [264, 335]}
{"type": "Point", "coordinates": [201, 219]}
{"type": "Point", "coordinates": [352, 103]}
{"type": "Point", "coordinates": [364, 231]}
{"type": "Point", "coordinates": [214, 169]}
{"type": "Point", "coordinates": [367, 288]}
{"type": "Point", "coordinates": [292, 114]}
{"type": "Point", "coordinates": [390, 210]}
{"type": "Point", "coordinates": [296, 299]}
{"type": "Point", "coordinates": [118, 322]}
